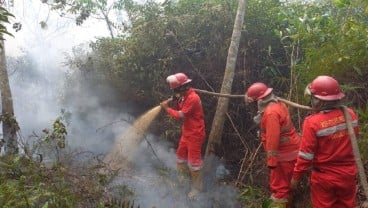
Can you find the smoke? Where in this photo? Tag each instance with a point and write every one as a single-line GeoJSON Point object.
{"type": "Point", "coordinates": [38, 75]}
{"type": "Point", "coordinates": [153, 176]}
{"type": "Point", "coordinates": [42, 91]}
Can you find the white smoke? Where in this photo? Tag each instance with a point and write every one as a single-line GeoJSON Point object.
{"type": "Point", "coordinates": [37, 99]}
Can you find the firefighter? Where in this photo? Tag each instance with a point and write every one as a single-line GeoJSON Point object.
{"type": "Point", "coordinates": [326, 148]}
{"type": "Point", "coordinates": [279, 138]}
{"type": "Point", "coordinates": [186, 106]}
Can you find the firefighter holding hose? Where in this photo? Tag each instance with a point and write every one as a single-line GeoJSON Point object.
{"type": "Point", "coordinates": [186, 106]}
{"type": "Point", "coordinates": [279, 138]}
{"type": "Point", "coordinates": [327, 149]}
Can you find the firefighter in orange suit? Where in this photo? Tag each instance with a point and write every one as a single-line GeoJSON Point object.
{"type": "Point", "coordinates": [188, 109]}
{"type": "Point", "coordinates": [326, 148]}
{"type": "Point", "coordinates": [280, 141]}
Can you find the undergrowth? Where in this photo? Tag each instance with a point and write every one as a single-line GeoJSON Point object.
{"type": "Point", "coordinates": [46, 175]}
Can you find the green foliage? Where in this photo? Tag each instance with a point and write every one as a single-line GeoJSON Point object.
{"type": "Point", "coordinates": [51, 143]}
{"type": "Point", "coordinates": [187, 36]}
{"type": "Point", "coordinates": [10, 119]}
{"type": "Point", "coordinates": [267, 203]}
{"type": "Point", "coordinates": [57, 135]}
{"type": "Point", "coordinates": [332, 38]}
{"type": "Point", "coordinates": [253, 197]}
{"type": "Point", "coordinates": [4, 19]}
{"type": "Point", "coordinates": [27, 184]}
{"type": "Point", "coordinates": [298, 23]}
{"type": "Point", "coordinates": [47, 175]}
{"type": "Point", "coordinates": [363, 132]}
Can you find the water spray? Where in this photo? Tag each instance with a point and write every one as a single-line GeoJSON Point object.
{"type": "Point", "coordinates": [123, 150]}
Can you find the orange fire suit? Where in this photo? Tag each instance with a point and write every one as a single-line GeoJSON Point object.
{"type": "Point", "coordinates": [326, 147]}
{"type": "Point", "coordinates": [281, 143]}
{"type": "Point", "coordinates": [190, 112]}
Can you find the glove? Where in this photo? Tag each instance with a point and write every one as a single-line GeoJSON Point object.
{"type": "Point", "coordinates": [165, 104]}
{"type": "Point", "coordinates": [294, 184]}
{"type": "Point", "coordinates": [176, 97]}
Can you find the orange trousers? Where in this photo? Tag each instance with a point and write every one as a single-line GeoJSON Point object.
{"type": "Point", "coordinates": [333, 190]}
{"type": "Point", "coordinates": [280, 178]}
{"type": "Point", "coordinates": [190, 150]}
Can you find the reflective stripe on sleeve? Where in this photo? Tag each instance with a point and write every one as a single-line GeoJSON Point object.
{"type": "Point", "coordinates": [284, 139]}
{"type": "Point", "coordinates": [305, 155]}
{"type": "Point", "coordinates": [272, 153]}
{"type": "Point", "coordinates": [334, 129]}
{"type": "Point", "coordinates": [180, 161]}
{"type": "Point", "coordinates": [194, 167]}
{"type": "Point", "coordinates": [286, 128]}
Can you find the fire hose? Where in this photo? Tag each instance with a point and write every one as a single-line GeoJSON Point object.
{"type": "Point", "coordinates": [353, 139]}
{"type": "Point", "coordinates": [296, 105]}
{"type": "Point", "coordinates": [358, 160]}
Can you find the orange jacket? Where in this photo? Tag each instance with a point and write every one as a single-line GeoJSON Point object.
{"type": "Point", "coordinates": [190, 112]}
{"type": "Point", "coordinates": [326, 144]}
{"type": "Point", "coordinates": [278, 134]}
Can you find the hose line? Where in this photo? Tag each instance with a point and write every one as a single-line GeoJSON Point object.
{"type": "Point", "coordinates": [288, 102]}
{"type": "Point", "coordinates": [358, 159]}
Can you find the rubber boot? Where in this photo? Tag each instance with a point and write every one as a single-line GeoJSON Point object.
{"type": "Point", "coordinates": [183, 173]}
{"type": "Point", "coordinates": [197, 185]}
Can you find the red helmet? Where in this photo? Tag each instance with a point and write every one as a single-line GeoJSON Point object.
{"type": "Point", "coordinates": [257, 91]}
{"type": "Point", "coordinates": [325, 88]}
{"type": "Point", "coordinates": [177, 80]}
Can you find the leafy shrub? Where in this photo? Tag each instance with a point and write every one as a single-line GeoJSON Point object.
{"type": "Point", "coordinates": [48, 175]}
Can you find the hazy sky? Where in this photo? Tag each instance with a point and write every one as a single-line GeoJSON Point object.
{"type": "Point", "coordinates": [61, 33]}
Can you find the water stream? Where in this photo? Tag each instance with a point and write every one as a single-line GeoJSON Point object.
{"type": "Point", "coordinates": [123, 150]}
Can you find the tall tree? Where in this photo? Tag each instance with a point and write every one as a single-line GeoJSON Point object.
{"type": "Point", "coordinates": [223, 102]}
{"type": "Point", "coordinates": [10, 126]}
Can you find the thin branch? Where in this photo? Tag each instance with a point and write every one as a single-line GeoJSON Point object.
{"type": "Point", "coordinates": [237, 132]}
{"type": "Point", "coordinates": [111, 123]}
{"type": "Point", "coordinates": [242, 174]}
{"type": "Point", "coordinates": [190, 61]}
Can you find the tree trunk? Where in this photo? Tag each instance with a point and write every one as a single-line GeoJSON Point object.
{"type": "Point", "coordinates": [223, 102]}
{"type": "Point", "coordinates": [214, 139]}
{"type": "Point", "coordinates": [10, 126]}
